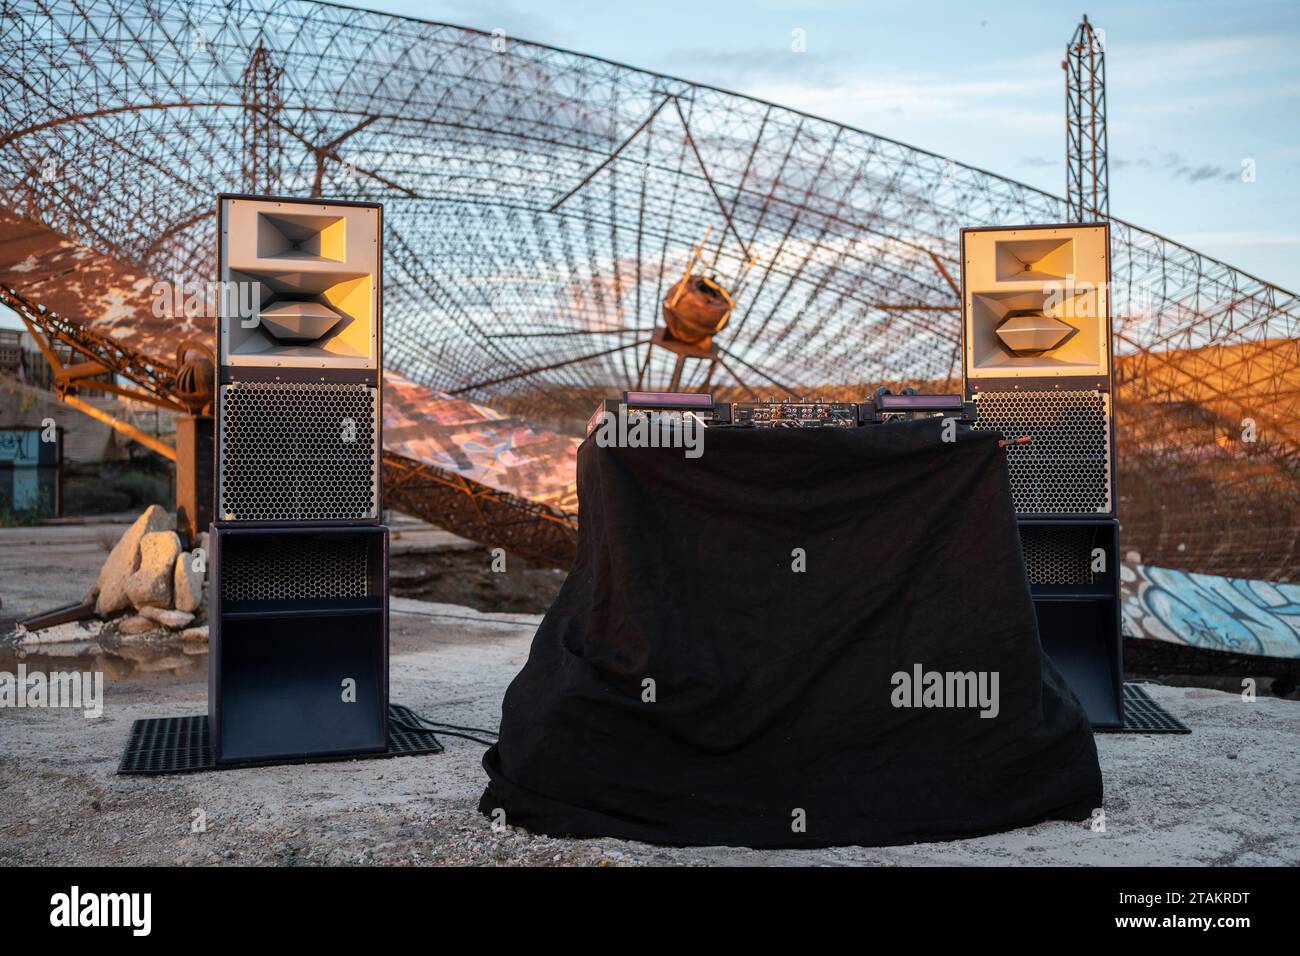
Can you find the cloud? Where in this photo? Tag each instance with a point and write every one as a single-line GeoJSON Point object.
{"type": "Point", "coordinates": [987, 104]}
{"type": "Point", "coordinates": [1175, 166]}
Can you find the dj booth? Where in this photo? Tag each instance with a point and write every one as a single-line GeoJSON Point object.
{"type": "Point", "coordinates": [796, 638]}
{"type": "Point", "coordinates": [828, 623]}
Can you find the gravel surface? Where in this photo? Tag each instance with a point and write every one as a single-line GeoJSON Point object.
{"type": "Point", "coordinates": [1227, 794]}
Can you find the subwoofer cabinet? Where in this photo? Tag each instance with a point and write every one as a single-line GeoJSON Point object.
{"type": "Point", "coordinates": [1073, 571]}
{"type": "Point", "coordinates": [298, 642]}
{"type": "Point", "coordinates": [298, 600]}
{"type": "Point", "coordinates": [1037, 362]}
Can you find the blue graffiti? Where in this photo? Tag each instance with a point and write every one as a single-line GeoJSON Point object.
{"type": "Point", "coordinates": [1226, 614]}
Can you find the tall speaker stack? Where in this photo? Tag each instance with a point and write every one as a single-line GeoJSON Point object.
{"type": "Point", "coordinates": [1037, 361]}
{"type": "Point", "coordinates": [298, 607]}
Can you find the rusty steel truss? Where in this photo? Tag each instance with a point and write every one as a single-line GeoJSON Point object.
{"type": "Point", "coordinates": [477, 511]}
{"type": "Point", "coordinates": [539, 203]}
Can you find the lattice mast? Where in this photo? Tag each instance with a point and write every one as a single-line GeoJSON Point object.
{"type": "Point", "coordinates": [1086, 176]}
{"type": "Point", "coordinates": [260, 89]}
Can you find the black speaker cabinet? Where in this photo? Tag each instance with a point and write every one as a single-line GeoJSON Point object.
{"type": "Point", "coordinates": [1037, 363]}
{"type": "Point", "coordinates": [299, 404]}
{"type": "Point", "coordinates": [298, 642]}
{"type": "Point", "coordinates": [1073, 573]}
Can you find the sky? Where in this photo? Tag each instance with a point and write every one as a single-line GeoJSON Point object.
{"type": "Point", "coordinates": [1194, 90]}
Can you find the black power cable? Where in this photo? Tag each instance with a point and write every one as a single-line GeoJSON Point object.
{"type": "Point", "coordinates": [439, 727]}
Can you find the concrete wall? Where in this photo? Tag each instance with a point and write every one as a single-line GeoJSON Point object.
{"type": "Point", "coordinates": [84, 439]}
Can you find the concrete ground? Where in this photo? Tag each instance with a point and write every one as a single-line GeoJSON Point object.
{"type": "Point", "coordinates": [1227, 794]}
{"type": "Point", "coordinates": [45, 566]}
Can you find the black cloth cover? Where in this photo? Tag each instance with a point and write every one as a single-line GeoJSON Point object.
{"type": "Point", "coordinates": [772, 687]}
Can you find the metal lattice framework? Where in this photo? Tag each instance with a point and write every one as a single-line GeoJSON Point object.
{"type": "Point", "coordinates": [1087, 178]}
{"type": "Point", "coordinates": [540, 202]}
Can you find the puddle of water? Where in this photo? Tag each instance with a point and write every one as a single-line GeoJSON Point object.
{"type": "Point", "coordinates": [130, 661]}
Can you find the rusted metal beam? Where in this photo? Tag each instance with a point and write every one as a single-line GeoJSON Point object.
{"type": "Point", "coordinates": [154, 376]}
{"type": "Point", "coordinates": [708, 178]}
{"type": "Point", "coordinates": [130, 431]}
{"type": "Point", "coordinates": [68, 374]}
{"type": "Point", "coordinates": [612, 156]}
{"type": "Point", "coordinates": [943, 271]}
{"type": "Point", "coordinates": [133, 394]}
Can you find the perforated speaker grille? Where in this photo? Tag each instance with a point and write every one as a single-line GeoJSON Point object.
{"type": "Point", "coordinates": [259, 567]}
{"type": "Point", "coordinates": [1065, 469]}
{"type": "Point", "coordinates": [298, 452]}
{"type": "Point", "coordinates": [1057, 554]}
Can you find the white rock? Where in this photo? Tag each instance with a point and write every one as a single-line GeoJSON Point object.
{"type": "Point", "coordinates": [77, 632]}
{"type": "Point", "coordinates": [151, 584]}
{"type": "Point", "coordinates": [167, 617]}
{"type": "Point", "coordinates": [124, 559]}
{"type": "Point", "coordinates": [187, 583]}
{"type": "Point", "coordinates": [199, 633]}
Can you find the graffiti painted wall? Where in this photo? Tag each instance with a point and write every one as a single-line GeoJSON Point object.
{"type": "Point", "coordinates": [28, 472]}
{"type": "Point", "coordinates": [1237, 615]}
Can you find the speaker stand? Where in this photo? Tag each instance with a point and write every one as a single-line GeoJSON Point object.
{"type": "Point", "coordinates": [194, 470]}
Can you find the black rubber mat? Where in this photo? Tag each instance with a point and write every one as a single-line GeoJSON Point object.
{"type": "Point", "coordinates": [163, 745]}
{"type": "Point", "coordinates": [1142, 715]}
